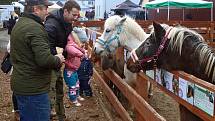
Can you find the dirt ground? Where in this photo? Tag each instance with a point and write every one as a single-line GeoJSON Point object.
{"type": "Point", "coordinates": [165, 105]}
{"type": "Point", "coordinates": [96, 108]}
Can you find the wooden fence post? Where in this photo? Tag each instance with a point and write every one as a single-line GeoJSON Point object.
{"type": "Point", "coordinates": [212, 31]}
{"type": "Point", "coordinates": [142, 90]}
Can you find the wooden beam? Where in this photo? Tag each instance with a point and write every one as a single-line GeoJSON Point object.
{"type": "Point", "coordinates": [194, 80]}
{"type": "Point", "coordinates": [144, 109]}
{"type": "Point", "coordinates": [142, 90]}
{"type": "Point", "coordinates": [112, 98]}
{"type": "Point", "coordinates": [190, 107]}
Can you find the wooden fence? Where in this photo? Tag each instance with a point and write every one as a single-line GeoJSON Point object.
{"type": "Point", "coordinates": [139, 96]}
{"type": "Point", "coordinates": [205, 28]}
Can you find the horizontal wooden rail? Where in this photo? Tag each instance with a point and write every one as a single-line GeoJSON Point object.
{"type": "Point", "coordinates": [212, 44]}
{"type": "Point", "coordinates": [190, 107]}
{"type": "Point", "coordinates": [144, 109]}
{"type": "Point", "coordinates": [90, 24]}
{"type": "Point", "coordinates": [205, 28]}
{"type": "Point", "coordinates": [98, 33]}
{"type": "Point", "coordinates": [194, 80]}
{"type": "Point", "coordinates": [111, 97]}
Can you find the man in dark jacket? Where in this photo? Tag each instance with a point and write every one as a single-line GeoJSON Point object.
{"type": "Point", "coordinates": [59, 25]}
{"type": "Point", "coordinates": [32, 62]}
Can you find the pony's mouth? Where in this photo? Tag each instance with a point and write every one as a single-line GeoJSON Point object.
{"type": "Point", "coordinates": [133, 67]}
{"type": "Point", "coordinates": [97, 51]}
{"type": "Point", "coordinates": [136, 67]}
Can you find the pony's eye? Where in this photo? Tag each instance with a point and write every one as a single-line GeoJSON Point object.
{"type": "Point", "coordinates": [147, 43]}
{"type": "Point", "coordinates": [107, 30]}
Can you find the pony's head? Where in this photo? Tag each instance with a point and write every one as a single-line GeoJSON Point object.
{"type": "Point", "coordinates": [109, 40]}
{"type": "Point", "coordinates": [143, 56]}
{"type": "Point", "coordinates": [174, 48]}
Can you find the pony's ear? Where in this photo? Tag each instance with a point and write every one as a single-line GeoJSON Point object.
{"type": "Point", "coordinates": [158, 29]}
{"type": "Point", "coordinates": [122, 20]}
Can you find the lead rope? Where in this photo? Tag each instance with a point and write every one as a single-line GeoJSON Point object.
{"type": "Point", "coordinates": [154, 68]}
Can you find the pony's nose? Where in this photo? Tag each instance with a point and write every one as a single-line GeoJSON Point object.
{"type": "Point", "coordinates": [94, 49]}
{"type": "Point", "coordinates": [97, 50]}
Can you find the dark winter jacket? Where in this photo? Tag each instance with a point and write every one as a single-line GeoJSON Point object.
{"type": "Point", "coordinates": [85, 70]}
{"type": "Point", "coordinates": [58, 30]}
{"type": "Point", "coordinates": [31, 57]}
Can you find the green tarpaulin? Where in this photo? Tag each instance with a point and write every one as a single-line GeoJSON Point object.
{"type": "Point", "coordinates": [179, 4]}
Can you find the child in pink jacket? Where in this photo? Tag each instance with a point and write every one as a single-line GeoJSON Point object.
{"type": "Point", "coordinates": [72, 63]}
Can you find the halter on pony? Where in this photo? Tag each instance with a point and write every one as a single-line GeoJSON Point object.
{"type": "Point", "coordinates": [106, 44]}
{"type": "Point", "coordinates": [155, 56]}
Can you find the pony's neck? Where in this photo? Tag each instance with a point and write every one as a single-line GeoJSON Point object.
{"type": "Point", "coordinates": [134, 34]}
{"type": "Point", "coordinates": [205, 63]}
{"type": "Point", "coordinates": [186, 51]}
{"type": "Point", "coordinates": [197, 59]}
{"type": "Point", "coordinates": [132, 44]}
{"type": "Point", "coordinates": [201, 58]}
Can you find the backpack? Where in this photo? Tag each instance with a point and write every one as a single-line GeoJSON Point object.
{"type": "Point", "coordinates": [6, 64]}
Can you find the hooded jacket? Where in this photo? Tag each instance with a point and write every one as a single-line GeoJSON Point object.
{"type": "Point", "coordinates": [58, 30]}
{"type": "Point", "coordinates": [85, 71]}
{"type": "Point", "coordinates": [74, 55]}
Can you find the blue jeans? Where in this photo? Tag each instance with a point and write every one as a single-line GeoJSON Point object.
{"type": "Point", "coordinates": [85, 89]}
{"type": "Point", "coordinates": [34, 107]}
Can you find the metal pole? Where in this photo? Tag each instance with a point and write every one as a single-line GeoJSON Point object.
{"type": "Point", "coordinates": [105, 10]}
{"type": "Point", "coordinates": [183, 14]}
{"type": "Point", "coordinates": [168, 11]}
{"type": "Point", "coordinates": [145, 12]}
{"type": "Point", "coordinates": [212, 12]}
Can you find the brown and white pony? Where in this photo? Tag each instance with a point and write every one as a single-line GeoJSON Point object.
{"type": "Point", "coordinates": [175, 48]}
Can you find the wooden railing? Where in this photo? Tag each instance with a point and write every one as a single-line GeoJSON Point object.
{"type": "Point", "coordinates": [205, 28]}
{"type": "Point", "coordinates": [203, 115]}
{"type": "Point", "coordinates": [90, 24]}
{"type": "Point", "coordinates": [145, 111]}
{"type": "Point", "coordinates": [139, 97]}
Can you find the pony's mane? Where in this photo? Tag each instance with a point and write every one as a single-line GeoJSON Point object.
{"type": "Point", "coordinates": [177, 36]}
{"type": "Point", "coordinates": [130, 25]}
{"type": "Point", "coordinates": [202, 50]}
{"type": "Point", "coordinates": [133, 27]}
{"type": "Point", "coordinates": [206, 57]}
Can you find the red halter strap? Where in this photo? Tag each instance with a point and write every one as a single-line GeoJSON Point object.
{"type": "Point", "coordinates": [160, 49]}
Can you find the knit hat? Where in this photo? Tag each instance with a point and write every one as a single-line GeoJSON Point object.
{"type": "Point", "coordinates": [81, 33]}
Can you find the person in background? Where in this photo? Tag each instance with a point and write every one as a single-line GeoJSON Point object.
{"type": "Point", "coordinates": [12, 21]}
{"type": "Point", "coordinates": [72, 63]}
{"type": "Point", "coordinates": [58, 24]}
{"type": "Point", "coordinates": [32, 62]}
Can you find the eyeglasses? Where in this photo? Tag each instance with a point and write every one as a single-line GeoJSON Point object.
{"type": "Point", "coordinates": [76, 15]}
